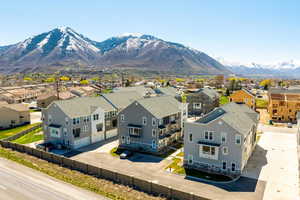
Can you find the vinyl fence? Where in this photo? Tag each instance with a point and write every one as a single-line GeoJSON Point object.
{"type": "Point", "coordinates": [134, 182]}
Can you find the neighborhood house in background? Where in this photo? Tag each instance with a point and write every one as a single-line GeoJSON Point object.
{"type": "Point", "coordinates": [201, 101]}
{"type": "Point", "coordinates": [243, 96]}
{"type": "Point", "coordinates": [151, 124]}
{"type": "Point", "coordinates": [284, 104]}
{"type": "Point", "coordinates": [222, 141]}
{"type": "Point", "coordinates": [12, 115]}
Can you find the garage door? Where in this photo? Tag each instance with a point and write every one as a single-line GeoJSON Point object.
{"type": "Point", "coordinates": [111, 133]}
{"type": "Point", "coordinates": [82, 142]}
{"type": "Point", "coordinates": [97, 137]}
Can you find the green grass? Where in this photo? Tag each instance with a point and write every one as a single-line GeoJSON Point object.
{"type": "Point", "coordinates": [105, 91]}
{"type": "Point", "coordinates": [261, 103]}
{"type": "Point", "coordinates": [9, 132]}
{"type": "Point", "coordinates": [177, 167]}
{"type": "Point", "coordinates": [93, 184]}
{"type": "Point", "coordinates": [30, 137]}
{"type": "Point", "coordinates": [224, 100]}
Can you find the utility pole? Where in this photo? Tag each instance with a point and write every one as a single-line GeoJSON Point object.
{"type": "Point", "coordinates": [57, 88]}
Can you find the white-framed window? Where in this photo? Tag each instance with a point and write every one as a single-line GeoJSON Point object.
{"type": "Point", "coordinates": [153, 132]}
{"type": "Point", "coordinates": [67, 121]}
{"type": "Point", "coordinates": [191, 137]}
{"type": "Point", "coordinates": [208, 135]}
{"type": "Point", "coordinates": [190, 159]}
{"type": "Point", "coordinates": [49, 119]}
{"type": "Point", "coordinates": [238, 139]}
{"type": "Point", "coordinates": [144, 119]}
{"type": "Point", "coordinates": [122, 117]}
{"type": "Point", "coordinates": [128, 140]}
{"type": "Point", "coordinates": [135, 131]}
{"type": "Point", "coordinates": [172, 118]}
{"type": "Point", "coordinates": [233, 166]}
{"type": "Point", "coordinates": [96, 117]}
{"type": "Point", "coordinates": [224, 165]}
{"type": "Point", "coordinates": [161, 122]}
{"type": "Point", "coordinates": [153, 144]}
{"type": "Point", "coordinates": [209, 152]}
{"type": "Point", "coordinates": [123, 139]}
{"type": "Point", "coordinates": [223, 137]}
{"type": "Point", "coordinates": [153, 121]}
{"type": "Point", "coordinates": [225, 150]}
{"type": "Point", "coordinates": [197, 105]}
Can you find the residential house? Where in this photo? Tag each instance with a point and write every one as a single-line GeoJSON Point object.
{"type": "Point", "coordinates": [44, 100]}
{"type": "Point", "coordinates": [283, 104]}
{"type": "Point", "coordinates": [171, 91]}
{"type": "Point", "coordinates": [151, 124]}
{"type": "Point", "coordinates": [243, 96]}
{"type": "Point", "coordinates": [141, 90]}
{"type": "Point", "coordinates": [202, 101]}
{"type": "Point", "coordinates": [76, 122]}
{"type": "Point", "coordinates": [12, 115]}
{"type": "Point", "coordinates": [222, 141]}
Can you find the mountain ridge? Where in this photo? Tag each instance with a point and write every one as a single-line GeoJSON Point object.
{"type": "Point", "coordinates": [64, 46]}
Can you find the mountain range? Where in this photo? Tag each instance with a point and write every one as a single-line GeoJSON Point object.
{"type": "Point", "coordinates": [63, 47]}
{"type": "Point", "coordinates": [289, 69]}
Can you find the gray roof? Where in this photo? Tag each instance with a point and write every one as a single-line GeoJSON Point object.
{"type": "Point", "coordinates": [142, 90]}
{"type": "Point", "coordinates": [239, 116]}
{"type": "Point", "coordinates": [161, 106]}
{"type": "Point", "coordinates": [211, 93]}
{"type": "Point", "coordinates": [167, 91]}
{"type": "Point", "coordinates": [283, 91]}
{"type": "Point", "coordinates": [82, 106]}
{"type": "Point", "coordinates": [121, 100]}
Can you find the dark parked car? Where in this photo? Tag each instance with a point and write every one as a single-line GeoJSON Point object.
{"type": "Point", "coordinates": [126, 154]}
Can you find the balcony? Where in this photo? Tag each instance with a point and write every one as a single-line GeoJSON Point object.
{"type": "Point", "coordinates": [135, 130]}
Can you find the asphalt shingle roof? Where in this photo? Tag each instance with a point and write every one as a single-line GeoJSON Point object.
{"type": "Point", "coordinates": [161, 106]}
{"type": "Point", "coordinates": [167, 91]}
{"type": "Point", "coordinates": [238, 116]}
{"type": "Point", "coordinates": [121, 100]}
{"type": "Point", "coordinates": [82, 106]}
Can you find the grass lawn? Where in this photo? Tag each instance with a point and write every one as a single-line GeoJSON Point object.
{"type": "Point", "coordinates": [224, 100]}
{"type": "Point", "coordinates": [261, 103]}
{"type": "Point", "coordinates": [9, 132]}
{"type": "Point", "coordinates": [177, 167]}
{"type": "Point", "coordinates": [181, 154]}
{"type": "Point", "coordinates": [30, 137]}
{"type": "Point", "coordinates": [93, 184]}
{"type": "Point", "coordinates": [105, 91]}
{"type": "Point", "coordinates": [171, 151]}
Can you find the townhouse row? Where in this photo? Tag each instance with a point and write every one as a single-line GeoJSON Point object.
{"type": "Point", "coordinates": [221, 140]}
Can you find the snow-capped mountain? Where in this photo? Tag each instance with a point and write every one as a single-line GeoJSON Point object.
{"type": "Point", "coordinates": [280, 69]}
{"type": "Point", "coordinates": [64, 47]}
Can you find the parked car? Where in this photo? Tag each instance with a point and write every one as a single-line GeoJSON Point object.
{"type": "Point", "coordinates": [290, 125]}
{"type": "Point", "coordinates": [126, 154]}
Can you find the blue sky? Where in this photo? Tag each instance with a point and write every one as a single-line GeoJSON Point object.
{"type": "Point", "coordinates": [262, 31]}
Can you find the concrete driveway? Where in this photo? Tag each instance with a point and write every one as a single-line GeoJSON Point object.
{"type": "Point", "coordinates": [275, 161]}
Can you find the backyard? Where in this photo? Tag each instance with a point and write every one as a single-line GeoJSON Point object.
{"type": "Point", "coordinates": [224, 100]}
{"type": "Point", "coordinates": [33, 136]}
{"type": "Point", "coordinates": [10, 132]}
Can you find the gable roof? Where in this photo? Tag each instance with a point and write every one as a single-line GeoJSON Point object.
{"type": "Point", "coordinates": [122, 99]}
{"type": "Point", "coordinates": [161, 106]}
{"type": "Point", "coordinates": [248, 92]}
{"type": "Point", "coordinates": [211, 93]}
{"type": "Point", "coordinates": [141, 90]}
{"type": "Point", "coordinates": [82, 106]}
{"type": "Point", "coordinates": [167, 91]}
{"type": "Point", "coordinates": [239, 116]}
{"type": "Point", "coordinates": [16, 107]}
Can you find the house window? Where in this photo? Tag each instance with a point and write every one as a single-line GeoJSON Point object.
{"type": "Point", "coordinates": [233, 167]}
{"type": "Point", "coordinates": [208, 135]}
{"type": "Point", "coordinates": [153, 132]}
{"type": "Point", "coordinates": [225, 150]}
{"type": "Point", "coordinates": [191, 137]}
{"type": "Point", "coordinates": [237, 139]}
{"type": "Point", "coordinates": [208, 150]}
{"type": "Point", "coordinates": [128, 140]}
{"type": "Point", "coordinates": [96, 116]}
{"type": "Point", "coordinates": [172, 118]}
{"type": "Point", "coordinates": [160, 122]}
{"type": "Point", "coordinates": [190, 159]}
{"type": "Point", "coordinates": [67, 121]}
{"type": "Point", "coordinates": [224, 165]}
{"type": "Point", "coordinates": [197, 105]}
{"type": "Point", "coordinates": [76, 132]}
{"type": "Point", "coordinates": [144, 120]}
{"type": "Point", "coordinates": [153, 144]}
{"type": "Point", "coordinates": [122, 117]}
{"type": "Point", "coordinates": [99, 127]}
{"type": "Point", "coordinates": [123, 139]}
{"type": "Point", "coordinates": [153, 122]}
{"type": "Point", "coordinates": [135, 131]}
{"type": "Point", "coordinates": [223, 137]}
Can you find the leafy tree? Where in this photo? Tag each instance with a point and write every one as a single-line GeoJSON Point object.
{"type": "Point", "coordinates": [84, 82]}
{"type": "Point", "coordinates": [64, 78]}
{"type": "Point", "coordinates": [265, 84]}
{"type": "Point", "coordinates": [28, 79]}
{"type": "Point", "coordinates": [50, 80]}
{"type": "Point", "coordinates": [227, 93]}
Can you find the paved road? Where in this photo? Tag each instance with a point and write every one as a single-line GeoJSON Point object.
{"type": "Point", "coordinates": [21, 183]}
